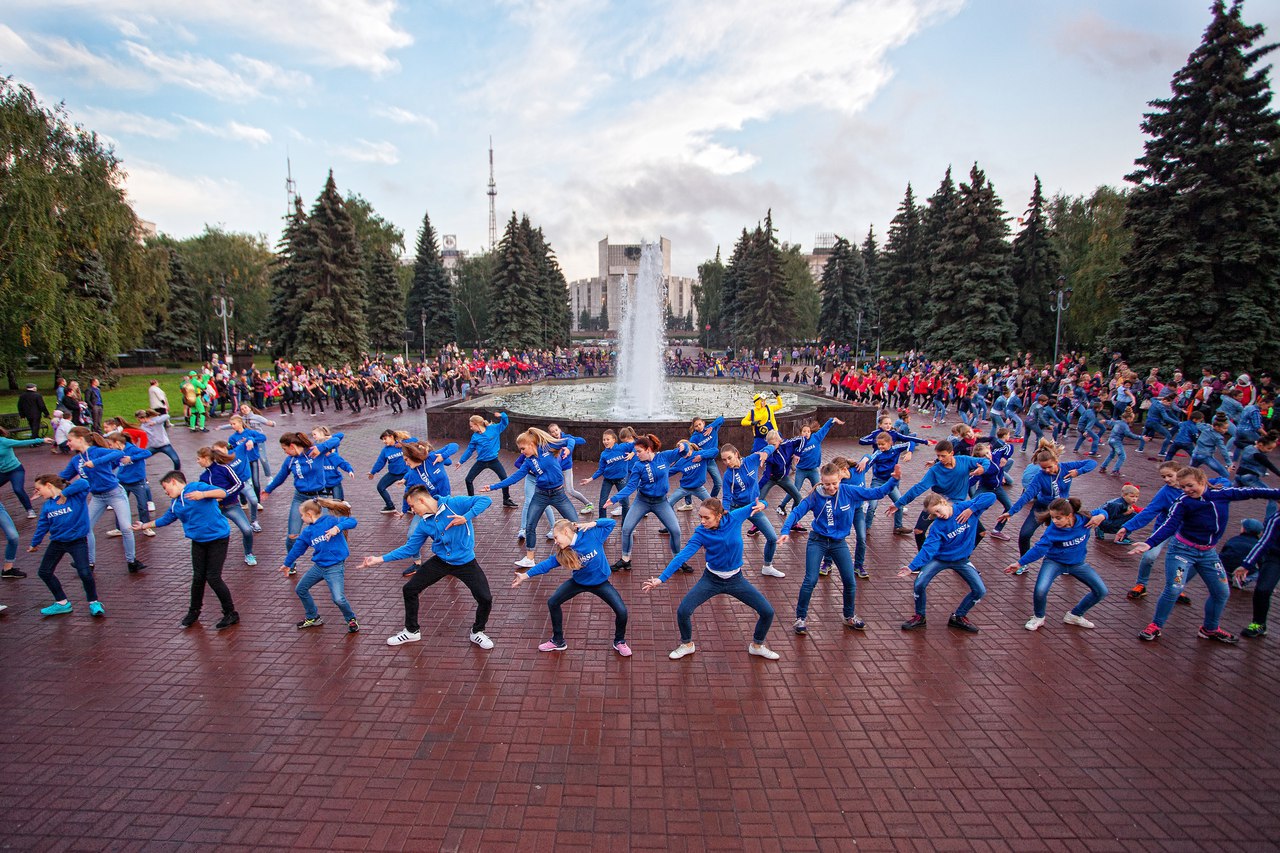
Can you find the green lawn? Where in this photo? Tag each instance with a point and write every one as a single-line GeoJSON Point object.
{"type": "Point", "coordinates": [129, 394]}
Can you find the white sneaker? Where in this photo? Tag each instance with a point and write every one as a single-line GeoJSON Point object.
{"type": "Point", "coordinates": [616, 511]}
{"type": "Point", "coordinates": [4, 607]}
{"type": "Point", "coordinates": [525, 563]}
{"type": "Point", "coordinates": [550, 537]}
{"type": "Point", "coordinates": [404, 637]}
{"type": "Point", "coordinates": [151, 506]}
{"type": "Point", "coordinates": [684, 508]}
{"type": "Point", "coordinates": [482, 640]}
{"type": "Point", "coordinates": [1080, 621]}
{"type": "Point", "coordinates": [772, 572]}
{"type": "Point", "coordinates": [261, 507]}
{"type": "Point", "coordinates": [113, 533]}
{"type": "Point", "coordinates": [31, 513]}
{"type": "Point", "coordinates": [1034, 623]}
{"type": "Point", "coordinates": [682, 650]}
{"type": "Point", "coordinates": [149, 533]}
{"type": "Point", "coordinates": [762, 651]}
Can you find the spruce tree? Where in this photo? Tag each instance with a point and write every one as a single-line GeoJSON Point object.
{"type": "Point", "coordinates": [970, 279]}
{"type": "Point", "coordinates": [285, 305]}
{"type": "Point", "coordinates": [384, 303]}
{"type": "Point", "coordinates": [866, 297]}
{"type": "Point", "coordinates": [176, 335]}
{"type": "Point", "coordinates": [551, 289]}
{"type": "Point", "coordinates": [430, 294]}
{"type": "Point", "coordinates": [1201, 283]}
{"type": "Point", "coordinates": [332, 281]}
{"type": "Point", "coordinates": [1035, 270]}
{"type": "Point", "coordinates": [902, 273]}
{"type": "Point", "coordinates": [735, 278]}
{"type": "Point", "coordinates": [514, 301]}
{"type": "Point", "coordinates": [842, 275]}
{"type": "Point", "coordinates": [765, 306]}
{"type": "Point", "coordinates": [93, 282]}
{"type": "Point", "coordinates": [472, 299]}
{"type": "Point", "coordinates": [936, 220]}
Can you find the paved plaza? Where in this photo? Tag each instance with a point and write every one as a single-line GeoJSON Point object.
{"type": "Point", "coordinates": [128, 733]}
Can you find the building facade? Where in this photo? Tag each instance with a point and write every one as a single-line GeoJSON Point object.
{"type": "Point", "coordinates": [600, 297]}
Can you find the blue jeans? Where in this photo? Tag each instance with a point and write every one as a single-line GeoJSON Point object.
{"type": "Point", "coordinates": [1001, 496]}
{"type": "Point", "coordinates": [817, 549]}
{"type": "Point", "coordinates": [708, 587]}
{"type": "Point", "coordinates": [641, 507]}
{"type": "Point", "coordinates": [1181, 564]}
{"type": "Point", "coordinates": [1175, 446]}
{"type": "Point", "coordinates": [682, 493]}
{"type": "Point", "coordinates": [1092, 430]}
{"type": "Point", "coordinates": [1030, 525]}
{"type": "Point", "coordinates": [234, 514]}
{"type": "Point", "coordinates": [609, 485]}
{"type": "Point", "coordinates": [17, 478]}
{"type": "Point", "coordinates": [604, 591]}
{"type": "Point", "coordinates": [964, 569]}
{"type": "Point", "coordinates": [997, 421]}
{"type": "Point", "coordinates": [806, 475]}
{"type": "Point", "coordinates": [1244, 438]}
{"type": "Point", "coordinates": [762, 523]}
{"type": "Point", "coordinates": [538, 504]}
{"type": "Point", "coordinates": [388, 479]}
{"type": "Point", "coordinates": [1212, 463]}
{"type": "Point", "coordinates": [786, 486]}
{"type": "Point", "coordinates": [1117, 453]}
{"type": "Point", "coordinates": [717, 480]}
{"type": "Point", "coordinates": [1148, 560]}
{"type": "Point", "coordinates": [79, 551]}
{"type": "Point", "coordinates": [894, 494]}
{"type": "Point", "coordinates": [530, 488]}
{"type": "Point", "coordinates": [10, 535]}
{"type": "Point", "coordinates": [264, 462]}
{"type": "Point", "coordinates": [167, 450]}
{"type": "Point", "coordinates": [118, 501]}
{"type": "Point", "coordinates": [1016, 426]}
{"type": "Point", "coordinates": [1033, 428]}
{"type": "Point", "coordinates": [1050, 570]}
{"type": "Point", "coordinates": [141, 494]}
{"type": "Point", "coordinates": [860, 523]}
{"type": "Point", "coordinates": [335, 577]}
{"type": "Point", "coordinates": [1152, 430]}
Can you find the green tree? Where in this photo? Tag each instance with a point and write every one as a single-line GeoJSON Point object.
{"type": "Point", "coordinates": [842, 276]}
{"type": "Point", "coordinates": [237, 266]}
{"type": "Point", "coordinates": [866, 299]}
{"type": "Point", "coordinates": [970, 277]}
{"type": "Point", "coordinates": [806, 299]}
{"type": "Point", "coordinates": [762, 302]}
{"type": "Point", "coordinates": [380, 241]}
{"type": "Point", "coordinates": [902, 273]}
{"type": "Point", "coordinates": [1091, 239]}
{"type": "Point", "coordinates": [1201, 281]}
{"type": "Point", "coordinates": [937, 220]}
{"type": "Point", "coordinates": [176, 334]}
{"type": "Point", "coordinates": [429, 307]}
{"type": "Point", "coordinates": [332, 280]}
{"type": "Point", "coordinates": [286, 286]}
{"type": "Point", "coordinates": [471, 296]}
{"type": "Point", "coordinates": [550, 287]}
{"type": "Point", "coordinates": [708, 296]}
{"type": "Point", "coordinates": [93, 290]}
{"type": "Point", "coordinates": [1035, 269]}
{"type": "Point", "coordinates": [514, 296]}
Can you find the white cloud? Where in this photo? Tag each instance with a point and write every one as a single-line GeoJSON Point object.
{"type": "Point", "coordinates": [202, 74]}
{"type": "Point", "coordinates": [114, 123]}
{"type": "Point", "coordinates": [400, 115]}
{"type": "Point", "coordinates": [52, 53]}
{"type": "Point", "coordinates": [231, 130]}
{"type": "Point", "coordinates": [336, 33]}
{"type": "Point", "coordinates": [183, 204]}
{"type": "Point", "coordinates": [364, 151]}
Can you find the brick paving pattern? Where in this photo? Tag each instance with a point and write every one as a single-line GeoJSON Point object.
{"type": "Point", "coordinates": [129, 733]}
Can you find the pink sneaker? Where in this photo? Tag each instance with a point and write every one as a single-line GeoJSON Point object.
{"type": "Point", "coordinates": [550, 646]}
{"type": "Point", "coordinates": [622, 649]}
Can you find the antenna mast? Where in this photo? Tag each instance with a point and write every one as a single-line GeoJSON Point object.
{"type": "Point", "coordinates": [493, 197]}
{"type": "Point", "coordinates": [291, 189]}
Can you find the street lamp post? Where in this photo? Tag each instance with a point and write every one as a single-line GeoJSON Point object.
{"type": "Point", "coordinates": [1061, 302]}
{"type": "Point", "coordinates": [225, 309]}
{"type": "Point", "coordinates": [857, 344]}
{"type": "Point", "coordinates": [424, 335]}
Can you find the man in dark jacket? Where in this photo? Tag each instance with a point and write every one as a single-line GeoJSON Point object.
{"type": "Point", "coordinates": [31, 408]}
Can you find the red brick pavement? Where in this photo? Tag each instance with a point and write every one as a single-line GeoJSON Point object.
{"type": "Point", "coordinates": [129, 733]}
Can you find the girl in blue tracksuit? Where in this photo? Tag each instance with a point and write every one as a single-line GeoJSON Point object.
{"type": "Point", "coordinates": [391, 457]}
{"type": "Point", "coordinates": [580, 549]}
{"type": "Point", "coordinates": [248, 500]}
{"type": "Point", "coordinates": [948, 476]}
{"type": "Point", "coordinates": [1160, 420]}
{"type": "Point", "coordinates": [485, 444]}
{"type": "Point", "coordinates": [97, 463]}
{"type": "Point", "coordinates": [1186, 436]}
{"type": "Point", "coordinates": [447, 522]}
{"type": "Point", "coordinates": [1013, 411]}
{"type": "Point", "coordinates": [742, 488]}
{"type": "Point", "coordinates": [539, 459]}
{"type": "Point", "coordinates": [308, 480]}
{"type": "Point", "coordinates": [219, 474]}
{"type": "Point", "coordinates": [1064, 547]}
{"type": "Point", "coordinates": [1091, 428]}
{"type": "Point", "coordinates": [249, 446]}
{"type": "Point", "coordinates": [1254, 465]}
{"type": "Point", "coordinates": [882, 462]}
{"type": "Point", "coordinates": [899, 431]}
{"type": "Point", "coordinates": [809, 456]}
{"type": "Point", "coordinates": [720, 534]}
{"type": "Point", "coordinates": [613, 469]}
{"type": "Point", "coordinates": [326, 536]}
{"type": "Point", "coordinates": [834, 505]}
{"type": "Point", "coordinates": [777, 467]}
{"type": "Point", "coordinates": [326, 449]}
{"type": "Point", "coordinates": [1196, 523]}
{"type": "Point", "coordinates": [566, 465]}
{"type": "Point", "coordinates": [703, 434]}
{"type": "Point", "coordinates": [952, 536]}
{"type": "Point", "coordinates": [692, 471]}
{"type": "Point", "coordinates": [1157, 510]}
{"type": "Point", "coordinates": [65, 518]}
{"type": "Point", "coordinates": [649, 481]}
{"type": "Point", "coordinates": [426, 466]}
{"type": "Point", "coordinates": [1121, 428]}
{"type": "Point", "coordinates": [994, 476]}
{"type": "Point", "coordinates": [1053, 481]}
{"type": "Point", "coordinates": [1211, 443]}
{"type": "Point", "coordinates": [196, 506]}
{"type": "Point", "coordinates": [133, 474]}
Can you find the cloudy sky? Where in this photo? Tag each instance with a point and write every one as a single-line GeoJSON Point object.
{"type": "Point", "coordinates": [685, 119]}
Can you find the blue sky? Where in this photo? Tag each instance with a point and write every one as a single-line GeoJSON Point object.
{"type": "Point", "coordinates": [685, 119]}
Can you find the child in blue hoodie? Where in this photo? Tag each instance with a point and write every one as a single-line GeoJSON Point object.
{"type": "Point", "coordinates": [326, 536]}
{"type": "Point", "coordinates": [485, 443]}
{"type": "Point", "coordinates": [952, 536]}
{"type": "Point", "coordinates": [196, 506]}
{"type": "Point", "coordinates": [613, 469]}
{"type": "Point", "coordinates": [580, 549]}
{"type": "Point", "coordinates": [1064, 547]}
{"type": "Point", "coordinates": [65, 517]}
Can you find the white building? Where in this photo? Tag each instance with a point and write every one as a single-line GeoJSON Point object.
{"type": "Point", "coordinates": [599, 296]}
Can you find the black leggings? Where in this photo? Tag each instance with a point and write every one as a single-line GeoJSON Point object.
{"type": "Point", "coordinates": [437, 569]}
{"type": "Point", "coordinates": [604, 591]}
{"type": "Point", "coordinates": [494, 465]}
{"type": "Point", "coordinates": [206, 568]}
{"type": "Point", "coordinates": [1268, 574]}
{"type": "Point", "coordinates": [79, 551]}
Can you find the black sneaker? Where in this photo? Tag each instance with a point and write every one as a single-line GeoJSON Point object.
{"type": "Point", "coordinates": [621, 566]}
{"type": "Point", "coordinates": [310, 623]}
{"type": "Point", "coordinates": [510, 504]}
{"type": "Point", "coordinates": [861, 571]}
{"type": "Point", "coordinates": [962, 623]}
{"type": "Point", "coordinates": [1254, 629]}
{"type": "Point", "coordinates": [136, 566]}
{"type": "Point", "coordinates": [520, 538]}
{"type": "Point", "coordinates": [13, 573]}
{"type": "Point", "coordinates": [916, 621]}
{"type": "Point", "coordinates": [1218, 634]}
{"type": "Point", "coordinates": [685, 567]}
{"type": "Point", "coordinates": [388, 510]}
{"type": "Point", "coordinates": [229, 619]}
{"type": "Point", "coordinates": [352, 626]}
{"type": "Point", "coordinates": [1184, 599]}
{"type": "Point", "coordinates": [190, 619]}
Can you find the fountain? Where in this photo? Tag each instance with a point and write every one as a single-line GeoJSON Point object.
{"type": "Point", "coordinates": [640, 390]}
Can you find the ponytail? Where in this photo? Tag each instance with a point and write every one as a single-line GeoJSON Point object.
{"type": "Point", "coordinates": [649, 441]}
{"type": "Point", "coordinates": [295, 439]}
{"type": "Point", "coordinates": [566, 556]}
{"type": "Point", "coordinates": [1062, 506]}
{"type": "Point", "coordinates": [221, 457]}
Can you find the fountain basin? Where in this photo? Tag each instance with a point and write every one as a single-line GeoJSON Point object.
{"type": "Point", "coordinates": [583, 407]}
